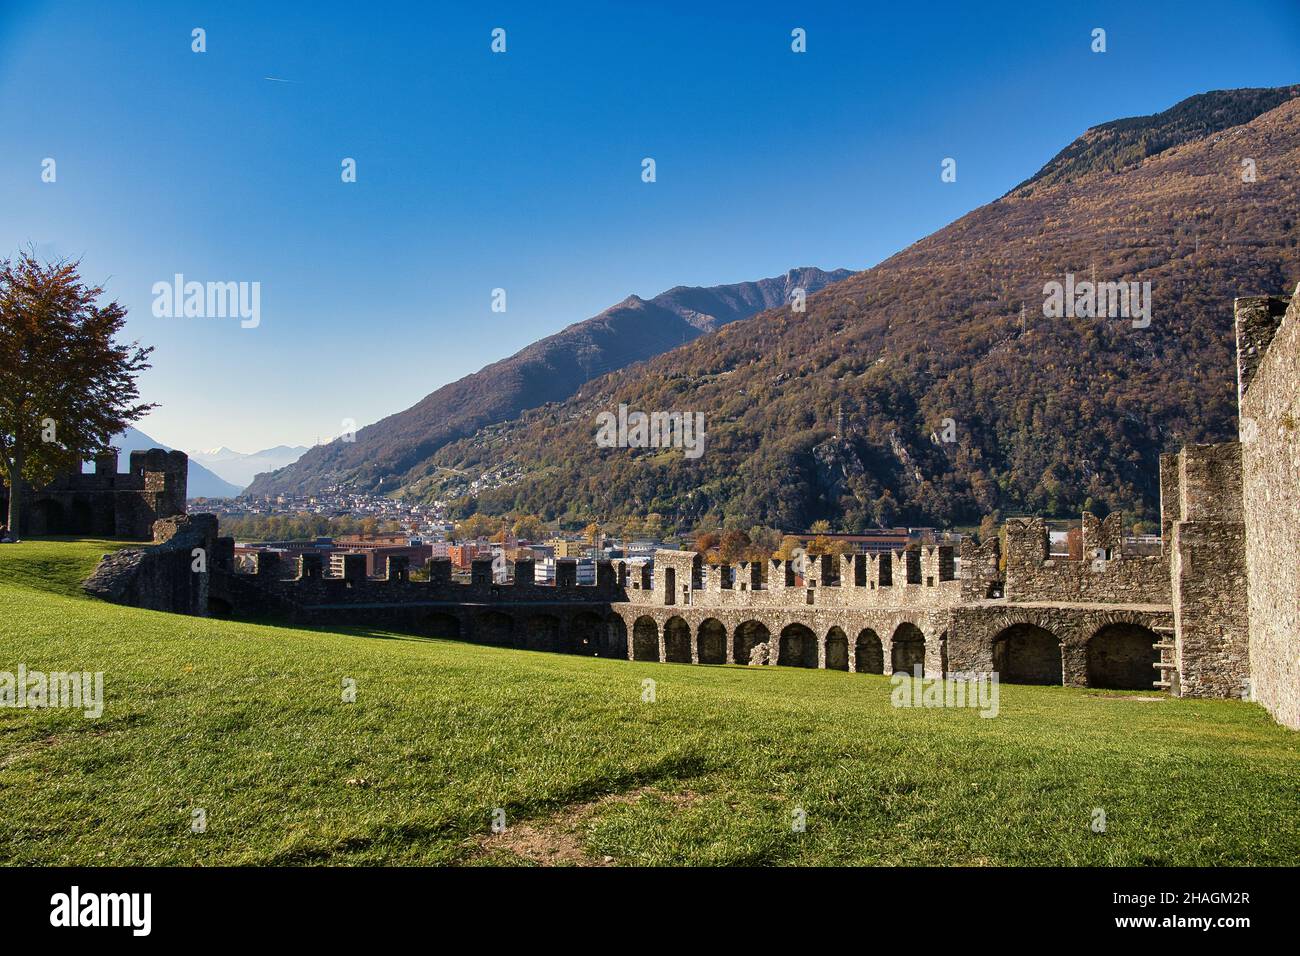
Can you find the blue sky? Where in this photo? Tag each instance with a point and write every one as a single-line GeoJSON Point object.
{"type": "Point", "coordinates": [522, 170]}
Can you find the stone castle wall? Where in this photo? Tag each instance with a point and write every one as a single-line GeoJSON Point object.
{"type": "Point", "coordinates": [1104, 576]}
{"type": "Point", "coordinates": [1208, 569]}
{"type": "Point", "coordinates": [1268, 342]}
{"type": "Point", "coordinates": [1215, 614]}
{"type": "Point", "coordinates": [108, 503]}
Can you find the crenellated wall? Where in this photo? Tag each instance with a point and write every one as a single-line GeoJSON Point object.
{"type": "Point", "coordinates": [1105, 575]}
{"type": "Point", "coordinates": [1215, 614]}
{"type": "Point", "coordinates": [108, 503]}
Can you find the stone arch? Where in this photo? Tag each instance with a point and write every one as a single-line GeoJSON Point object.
{"type": "Point", "coordinates": [798, 647]}
{"type": "Point", "coordinates": [711, 639]}
{"type": "Point", "coordinates": [587, 635]}
{"type": "Point", "coordinates": [494, 628]}
{"type": "Point", "coordinates": [615, 643]}
{"type": "Point", "coordinates": [837, 649]}
{"type": "Point", "coordinates": [48, 517]}
{"type": "Point", "coordinates": [542, 633]}
{"type": "Point", "coordinates": [219, 607]}
{"type": "Point", "coordinates": [1025, 653]}
{"type": "Point", "coordinates": [746, 637]}
{"type": "Point", "coordinates": [907, 649]}
{"type": "Point", "coordinates": [82, 518]}
{"type": "Point", "coordinates": [645, 639]}
{"type": "Point", "coordinates": [677, 641]}
{"type": "Point", "coordinates": [1122, 656]}
{"type": "Point", "coordinates": [439, 624]}
{"type": "Point", "coordinates": [868, 653]}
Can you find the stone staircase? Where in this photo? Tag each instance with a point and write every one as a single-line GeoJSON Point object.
{"type": "Point", "coordinates": [1167, 666]}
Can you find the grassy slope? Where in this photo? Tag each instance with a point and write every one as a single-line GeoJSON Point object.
{"type": "Point", "coordinates": [246, 722]}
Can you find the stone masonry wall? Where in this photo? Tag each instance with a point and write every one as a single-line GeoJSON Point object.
{"type": "Point", "coordinates": [1208, 568]}
{"type": "Point", "coordinates": [1269, 389]}
{"type": "Point", "coordinates": [1032, 576]}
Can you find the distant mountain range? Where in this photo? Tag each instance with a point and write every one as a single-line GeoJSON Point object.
{"type": "Point", "coordinates": [933, 388]}
{"type": "Point", "coordinates": [240, 468]}
{"type": "Point", "coordinates": [202, 483]}
{"type": "Point", "coordinates": [936, 387]}
{"type": "Point", "coordinates": [392, 453]}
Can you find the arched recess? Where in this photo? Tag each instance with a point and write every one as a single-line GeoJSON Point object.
{"type": "Point", "coordinates": [542, 633]}
{"type": "Point", "coordinates": [438, 624]}
{"type": "Point", "coordinates": [586, 634]}
{"type": "Point", "coordinates": [48, 517]}
{"type": "Point", "coordinates": [219, 607]}
{"type": "Point", "coordinates": [1027, 654]}
{"type": "Point", "coordinates": [908, 651]}
{"type": "Point", "coordinates": [746, 637]}
{"type": "Point", "coordinates": [495, 628]}
{"type": "Point", "coordinates": [1123, 657]}
{"type": "Point", "coordinates": [798, 647]}
{"type": "Point", "coordinates": [869, 653]}
{"type": "Point", "coordinates": [837, 650]}
{"type": "Point", "coordinates": [615, 643]}
{"type": "Point", "coordinates": [645, 639]}
{"type": "Point", "coordinates": [82, 519]}
{"type": "Point", "coordinates": [711, 639]}
{"type": "Point", "coordinates": [677, 641]}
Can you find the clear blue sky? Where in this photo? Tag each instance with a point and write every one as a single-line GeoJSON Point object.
{"type": "Point", "coordinates": [522, 170]}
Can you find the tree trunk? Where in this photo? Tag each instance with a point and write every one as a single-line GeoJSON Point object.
{"type": "Point", "coordinates": [16, 488]}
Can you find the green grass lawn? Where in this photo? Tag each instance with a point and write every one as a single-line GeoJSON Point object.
{"type": "Point", "coordinates": [247, 723]}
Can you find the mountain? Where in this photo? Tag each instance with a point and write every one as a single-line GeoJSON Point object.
{"type": "Point", "coordinates": [241, 468]}
{"type": "Point", "coordinates": [387, 454]}
{"type": "Point", "coordinates": [201, 482]}
{"type": "Point", "coordinates": [844, 412]}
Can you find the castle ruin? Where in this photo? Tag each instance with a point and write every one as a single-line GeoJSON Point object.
{"type": "Point", "coordinates": [1215, 614]}
{"type": "Point", "coordinates": [107, 503]}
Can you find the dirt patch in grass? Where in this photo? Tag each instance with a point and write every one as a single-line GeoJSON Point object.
{"type": "Point", "coordinates": [560, 840]}
{"type": "Point", "coordinates": [21, 752]}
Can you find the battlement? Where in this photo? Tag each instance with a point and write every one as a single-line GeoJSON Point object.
{"type": "Point", "coordinates": [110, 503]}
{"type": "Point", "coordinates": [1105, 575]}
{"type": "Point", "coordinates": [302, 580]}
{"type": "Point", "coordinates": [981, 572]}
{"type": "Point", "coordinates": [923, 577]}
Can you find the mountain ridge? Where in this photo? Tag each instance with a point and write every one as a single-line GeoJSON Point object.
{"type": "Point", "coordinates": [548, 370]}
{"type": "Point", "coordinates": [1052, 415]}
{"type": "Point", "coordinates": [201, 482]}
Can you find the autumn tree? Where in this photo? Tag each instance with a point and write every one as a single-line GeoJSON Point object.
{"type": "Point", "coordinates": [734, 545]}
{"type": "Point", "coordinates": [765, 540]}
{"type": "Point", "coordinates": [477, 525]}
{"type": "Point", "coordinates": [789, 545]}
{"type": "Point", "coordinates": [819, 545]}
{"type": "Point", "coordinates": [529, 527]}
{"type": "Point", "coordinates": [706, 541]}
{"type": "Point", "coordinates": [66, 385]}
